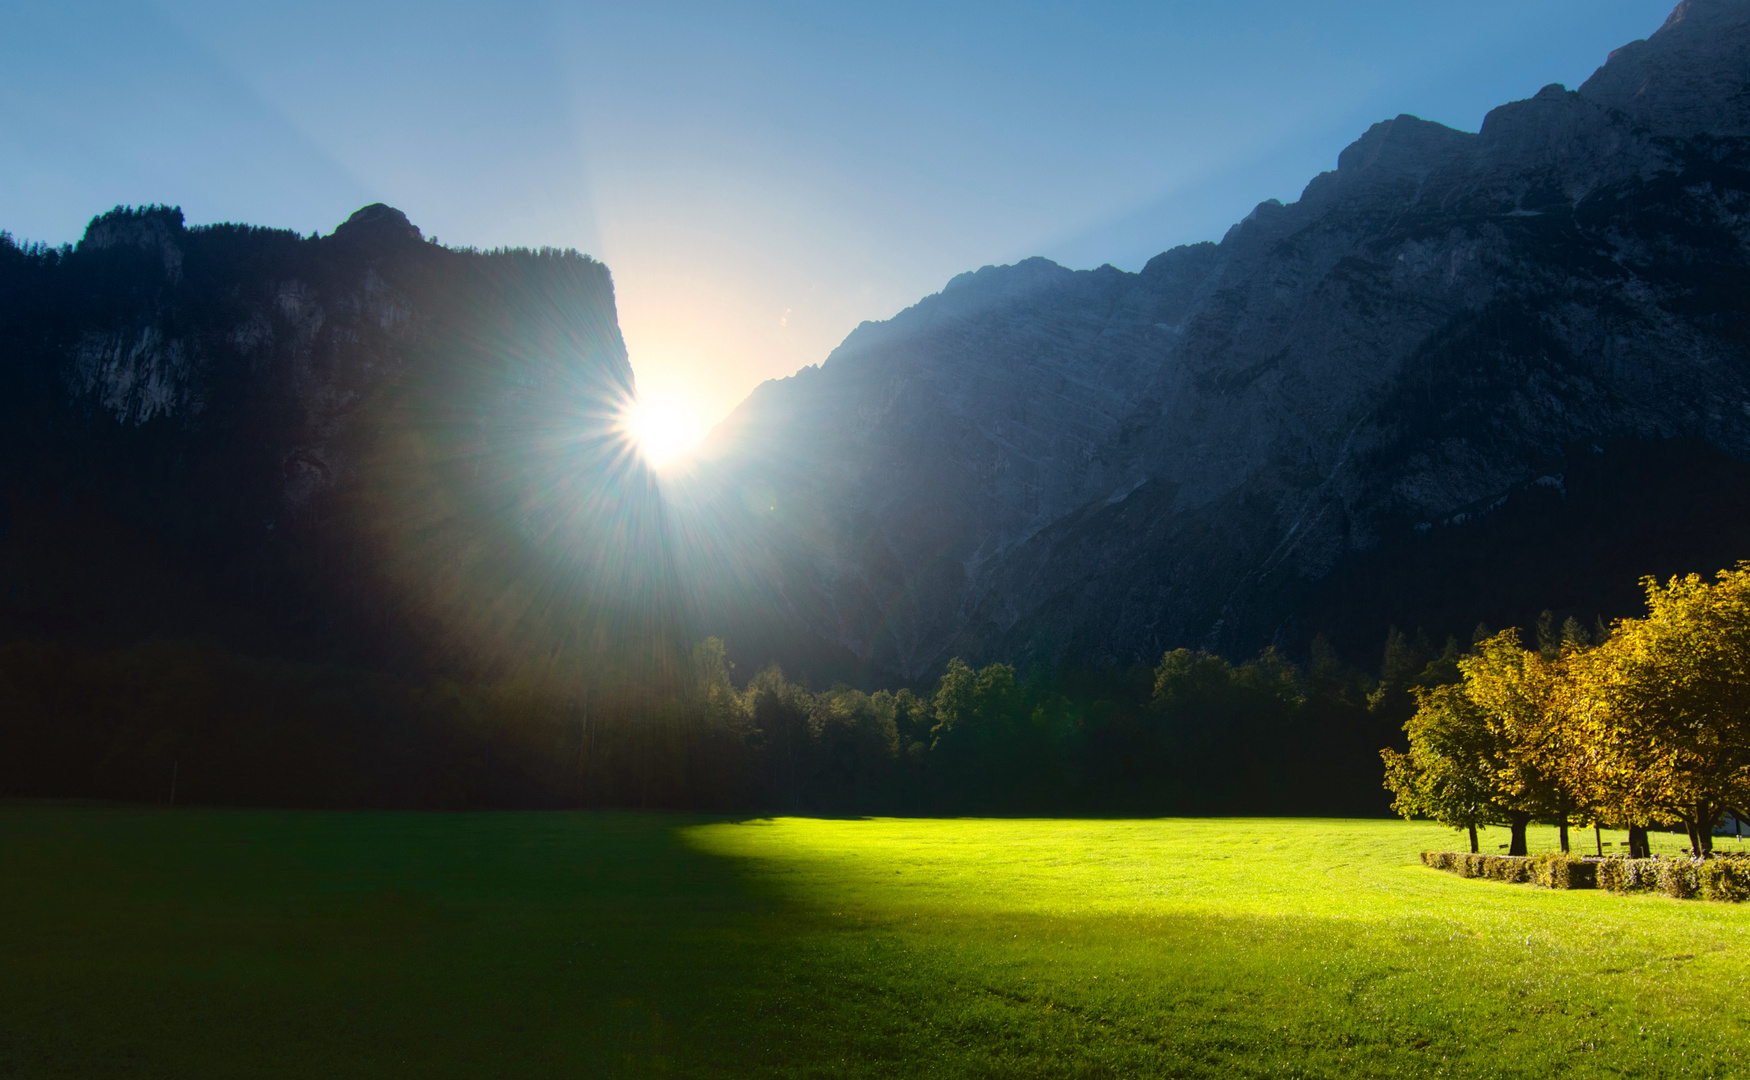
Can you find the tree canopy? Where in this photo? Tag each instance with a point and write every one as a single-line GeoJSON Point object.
{"type": "Point", "coordinates": [1649, 726]}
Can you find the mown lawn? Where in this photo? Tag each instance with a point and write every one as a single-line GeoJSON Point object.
{"type": "Point", "coordinates": [209, 943]}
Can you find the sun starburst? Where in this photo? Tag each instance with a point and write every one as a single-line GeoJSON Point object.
{"type": "Point", "coordinates": [661, 429]}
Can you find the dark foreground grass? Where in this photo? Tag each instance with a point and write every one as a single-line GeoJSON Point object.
{"type": "Point", "coordinates": [195, 944]}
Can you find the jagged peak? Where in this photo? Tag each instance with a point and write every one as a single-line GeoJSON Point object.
{"type": "Point", "coordinates": [378, 222]}
{"type": "Point", "coordinates": [1689, 78]}
{"type": "Point", "coordinates": [1028, 269]}
{"type": "Point", "coordinates": [1402, 146]}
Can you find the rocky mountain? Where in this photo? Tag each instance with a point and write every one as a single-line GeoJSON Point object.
{"type": "Point", "coordinates": [358, 448]}
{"type": "Point", "coordinates": [1464, 377]}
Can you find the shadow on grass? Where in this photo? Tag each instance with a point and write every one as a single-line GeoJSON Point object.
{"type": "Point", "coordinates": [220, 943]}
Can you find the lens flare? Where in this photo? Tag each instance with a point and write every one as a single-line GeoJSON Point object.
{"type": "Point", "coordinates": [662, 430]}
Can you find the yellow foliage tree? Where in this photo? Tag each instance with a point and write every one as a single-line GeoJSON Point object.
{"type": "Point", "coordinates": [1520, 694]}
{"type": "Point", "coordinates": [1602, 777]}
{"type": "Point", "coordinates": [1663, 706]}
{"type": "Point", "coordinates": [1448, 773]}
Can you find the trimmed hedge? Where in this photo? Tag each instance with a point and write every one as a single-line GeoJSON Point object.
{"type": "Point", "coordinates": [1552, 871]}
{"type": "Point", "coordinates": [1678, 878]}
{"type": "Point", "coordinates": [1725, 878]}
{"type": "Point", "coordinates": [1629, 875]}
{"type": "Point", "coordinates": [1510, 868]}
{"type": "Point", "coordinates": [1555, 870]}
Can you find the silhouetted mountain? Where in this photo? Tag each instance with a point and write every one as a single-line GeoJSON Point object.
{"type": "Point", "coordinates": [1464, 377]}
{"type": "Point", "coordinates": [362, 445]}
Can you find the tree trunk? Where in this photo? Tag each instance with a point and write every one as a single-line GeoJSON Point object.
{"type": "Point", "coordinates": [1689, 827]}
{"type": "Point", "coordinates": [1637, 842]}
{"type": "Point", "coordinates": [1473, 838]}
{"type": "Point", "coordinates": [1517, 822]}
{"type": "Point", "coordinates": [1564, 833]}
{"type": "Point", "coordinates": [1598, 838]}
{"type": "Point", "coordinates": [1704, 831]}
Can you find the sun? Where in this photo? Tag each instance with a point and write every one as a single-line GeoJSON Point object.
{"type": "Point", "coordinates": [661, 429]}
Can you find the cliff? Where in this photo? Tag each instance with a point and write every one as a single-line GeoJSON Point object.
{"type": "Point", "coordinates": [360, 448]}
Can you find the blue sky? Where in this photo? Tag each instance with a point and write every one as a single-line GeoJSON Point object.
{"type": "Point", "coordinates": [759, 177]}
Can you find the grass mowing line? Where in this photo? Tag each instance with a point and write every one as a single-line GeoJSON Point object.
{"type": "Point", "coordinates": [259, 944]}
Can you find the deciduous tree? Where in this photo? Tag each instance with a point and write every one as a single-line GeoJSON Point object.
{"type": "Point", "coordinates": [1520, 694]}
{"type": "Point", "coordinates": [1669, 704]}
{"type": "Point", "coordinates": [1448, 773]}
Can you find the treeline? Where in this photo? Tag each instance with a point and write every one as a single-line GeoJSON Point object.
{"type": "Point", "coordinates": [1644, 723]}
{"type": "Point", "coordinates": [1194, 734]}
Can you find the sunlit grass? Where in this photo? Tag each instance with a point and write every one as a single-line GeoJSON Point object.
{"type": "Point", "coordinates": [208, 943]}
{"type": "Point", "coordinates": [1270, 947]}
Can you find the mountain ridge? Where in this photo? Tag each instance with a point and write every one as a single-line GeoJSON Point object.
{"type": "Point", "coordinates": [1037, 462]}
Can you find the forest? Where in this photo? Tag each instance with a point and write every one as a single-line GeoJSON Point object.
{"type": "Point", "coordinates": [197, 722]}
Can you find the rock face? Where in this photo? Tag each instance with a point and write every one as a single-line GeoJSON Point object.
{"type": "Point", "coordinates": [361, 447]}
{"type": "Point", "coordinates": [1390, 379]}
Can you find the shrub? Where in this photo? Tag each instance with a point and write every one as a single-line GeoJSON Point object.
{"type": "Point", "coordinates": [1555, 870]}
{"type": "Point", "coordinates": [1629, 875]}
{"type": "Point", "coordinates": [1725, 879]}
{"type": "Point", "coordinates": [1679, 878]}
{"type": "Point", "coordinates": [1442, 860]}
{"type": "Point", "coordinates": [1514, 869]}
{"type": "Point", "coordinates": [1509, 868]}
{"type": "Point", "coordinates": [1613, 874]}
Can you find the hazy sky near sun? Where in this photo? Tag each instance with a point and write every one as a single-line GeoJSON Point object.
{"type": "Point", "coordinates": [759, 177]}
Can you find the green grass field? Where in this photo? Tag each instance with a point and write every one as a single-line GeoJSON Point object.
{"type": "Point", "coordinates": [216, 943]}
